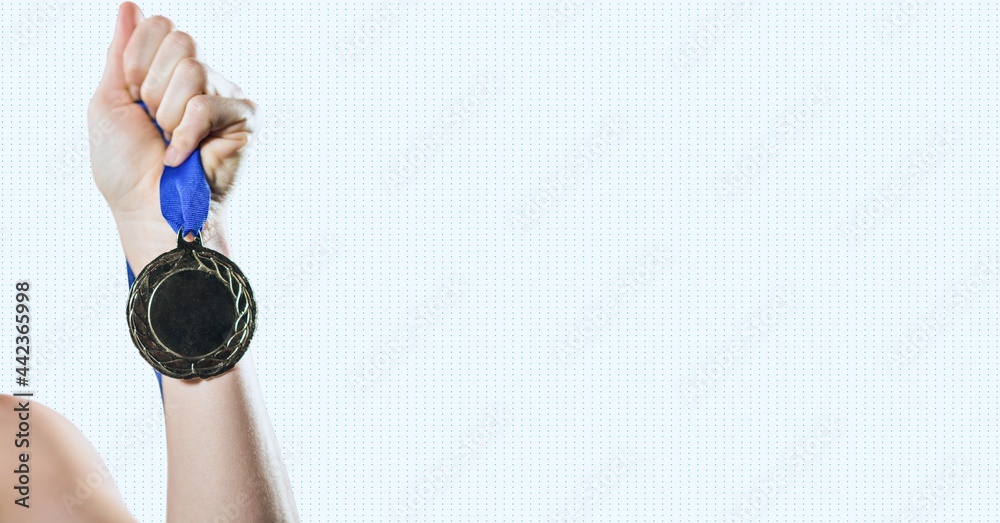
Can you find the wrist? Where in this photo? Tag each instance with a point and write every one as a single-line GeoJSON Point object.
{"type": "Point", "coordinates": [143, 239]}
{"type": "Point", "coordinates": [144, 236]}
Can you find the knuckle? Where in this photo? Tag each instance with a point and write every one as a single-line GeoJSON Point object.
{"type": "Point", "coordinates": [192, 70]}
{"type": "Point", "coordinates": [199, 106]}
{"type": "Point", "coordinates": [132, 66]}
{"type": "Point", "coordinates": [182, 41]}
{"type": "Point", "coordinates": [160, 24]}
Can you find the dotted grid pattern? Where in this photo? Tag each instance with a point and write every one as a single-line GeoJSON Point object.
{"type": "Point", "coordinates": [561, 261]}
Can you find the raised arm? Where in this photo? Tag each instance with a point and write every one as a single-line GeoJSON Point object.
{"type": "Point", "coordinates": [224, 463]}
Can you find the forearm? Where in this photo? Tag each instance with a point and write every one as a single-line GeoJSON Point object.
{"type": "Point", "coordinates": [222, 456]}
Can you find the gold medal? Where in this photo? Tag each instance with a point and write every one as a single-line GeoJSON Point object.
{"type": "Point", "coordinates": [191, 312]}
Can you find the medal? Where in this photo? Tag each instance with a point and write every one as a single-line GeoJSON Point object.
{"type": "Point", "coordinates": [191, 312]}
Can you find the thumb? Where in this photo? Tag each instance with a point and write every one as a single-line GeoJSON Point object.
{"type": "Point", "coordinates": [129, 16]}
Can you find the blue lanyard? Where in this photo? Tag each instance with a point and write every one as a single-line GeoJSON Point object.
{"type": "Point", "coordinates": [184, 200]}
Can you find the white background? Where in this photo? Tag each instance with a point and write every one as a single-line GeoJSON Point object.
{"type": "Point", "coordinates": [507, 322]}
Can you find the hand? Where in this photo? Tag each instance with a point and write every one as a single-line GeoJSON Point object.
{"type": "Point", "coordinates": [150, 61]}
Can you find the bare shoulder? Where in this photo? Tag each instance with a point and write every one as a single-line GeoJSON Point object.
{"type": "Point", "coordinates": [56, 473]}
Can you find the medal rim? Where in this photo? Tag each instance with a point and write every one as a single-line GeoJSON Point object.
{"type": "Point", "coordinates": [141, 313]}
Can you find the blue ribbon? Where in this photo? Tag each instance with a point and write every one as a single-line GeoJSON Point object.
{"type": "Point", "coordinates": [184, 200]}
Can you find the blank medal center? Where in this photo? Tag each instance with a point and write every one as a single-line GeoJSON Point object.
{"type": "Point", "coordinates": [192, 312]}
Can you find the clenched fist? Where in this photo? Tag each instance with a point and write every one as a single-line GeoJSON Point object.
{"type": "Point", "coordinates": [150, 61]}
